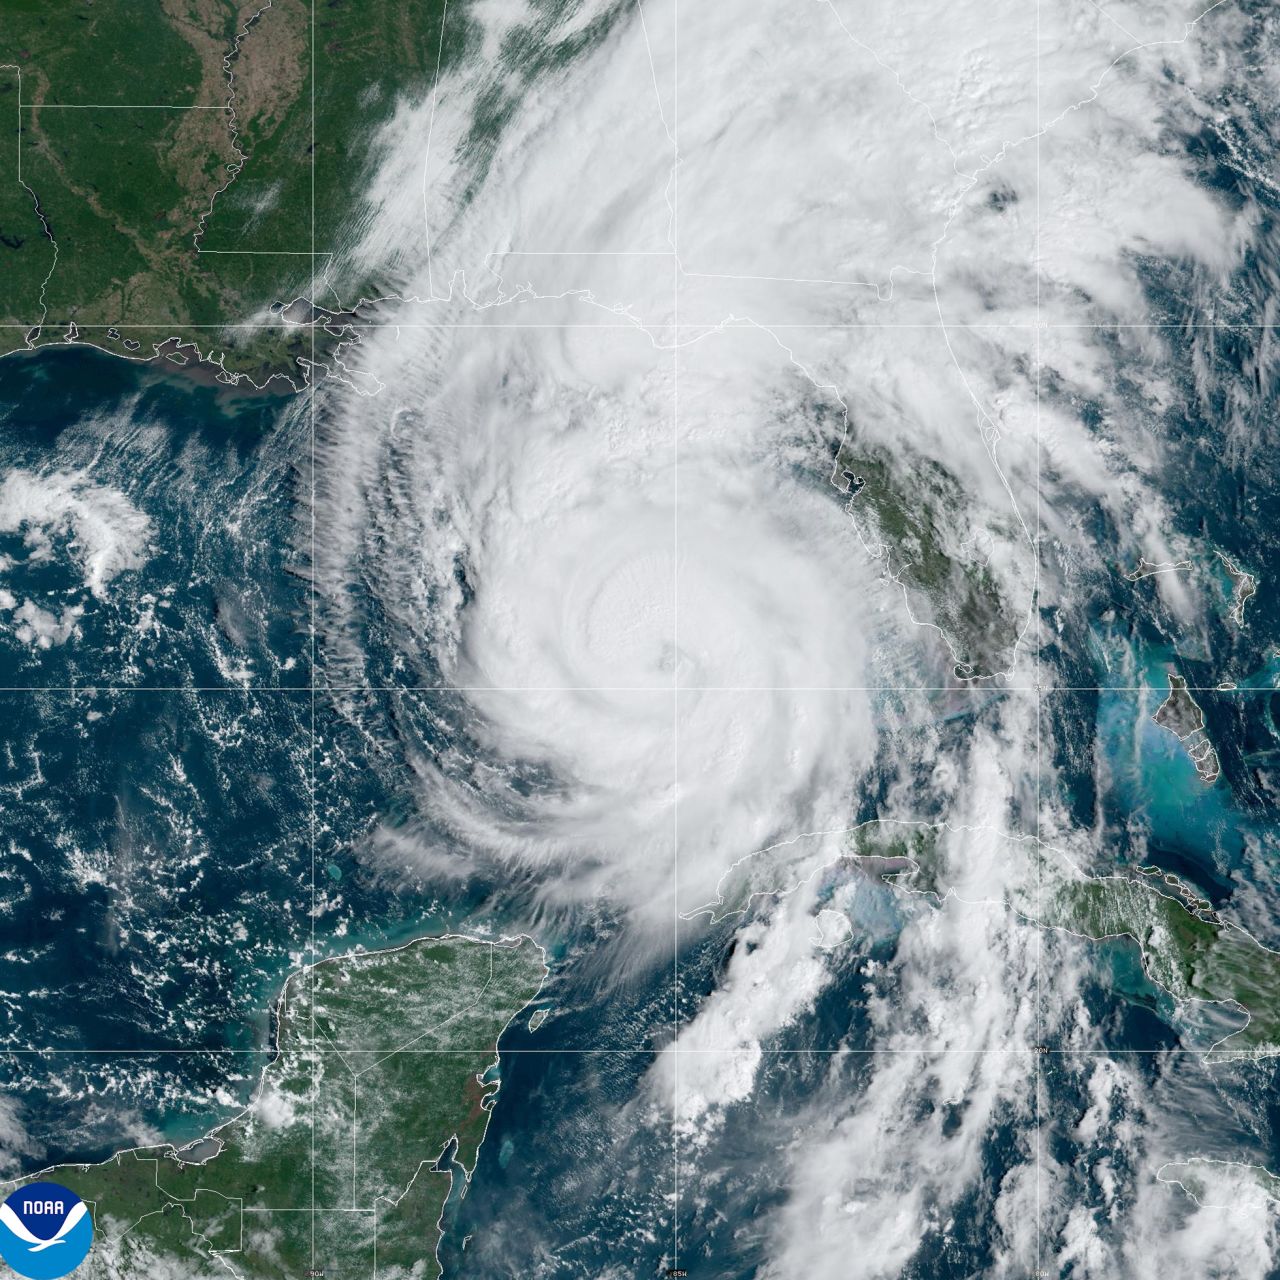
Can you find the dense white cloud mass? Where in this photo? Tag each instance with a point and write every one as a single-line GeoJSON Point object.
{"type": "Point", "coordinates": [662, 619]}
{"type": "Point", "coordinates": [716, 253]}
{"type": "Point", "coordinates": [100, 530]}
{"type": "Point", "coordinates": [953, 1015]}
{"type": "Point", "coordinates": [871, 196]}
{"type": "Point", "coordinates": [105, 532]}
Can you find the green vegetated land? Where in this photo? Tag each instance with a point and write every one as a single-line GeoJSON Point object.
{"type": "Point", "coordinates": [907, 511]}
{"type": "Point", "coordinates": [1218, 1182]}
{"type": "Point", "coordinates": [1186, 949]}
{"type": "Point", "coordinates": [380, 1070]}
{"type": "Point", "coordinates": [136, 218]}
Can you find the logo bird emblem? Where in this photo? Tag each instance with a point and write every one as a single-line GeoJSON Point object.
{"type": "Point", "coordinates": [19, 1228]}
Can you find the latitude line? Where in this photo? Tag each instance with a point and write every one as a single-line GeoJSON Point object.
{"type": "Point", "coordinates": [1236, 1057]}
{"type": "Point", "coordinates": [312, 688]}
{"type": "Point", "coordinates": [720, 325]}
{"type": "Point", "coordinates": [965, 691]}
{"type": "Point", "coordinates": [118, 106]}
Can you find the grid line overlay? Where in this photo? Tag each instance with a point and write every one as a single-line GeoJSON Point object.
{"type": "Point", "coordinates": [311, 414]}
{"type": "Point", "coordinates": [315, 689]}
{"type": "Point", "coordinates": [252, 690]}
{"type": "Point", "coordinates": [1241, 1057]}
{"type": "Point", "coordinates": [1039, 696]}
{"type": "Point", "coordinates": [675, 629]}
{"type": "Point", "coordinates": [693, 326]}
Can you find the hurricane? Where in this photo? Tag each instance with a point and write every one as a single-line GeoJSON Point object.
{"type": "Point", "coordinates": [760, 517]}
{"type": "Point", "coordinates": [771, 483]}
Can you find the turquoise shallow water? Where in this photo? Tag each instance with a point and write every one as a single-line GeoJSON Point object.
{"type": "Point", "coordinates": [158, 769]}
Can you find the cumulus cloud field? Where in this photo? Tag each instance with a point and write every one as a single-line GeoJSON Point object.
{"type": "Point", "coordinates": [725, 404]}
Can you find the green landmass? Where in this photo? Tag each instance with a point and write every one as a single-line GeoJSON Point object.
{"type": "Point", "coordinates": [1186, 947]}
{"type": "Point", "coordinates": [1187, 950]}
{"type": "Point", "coordinates": [383, 1067]}
{"type": "Point", "coordinates": [1181, 715]}
{"type": "Point", "coordinates": [903, 510]}
{"type": "Point", "coordinates": [902, 853]}
{"type": "Point", "coordinates": [1244, 586]}
{"type": "Point", "coordinates": [896, 852]}
{"type": "Point", "coordinates": [1218, 1182]}
{"type": "Point", "coordinates": [168, 167]}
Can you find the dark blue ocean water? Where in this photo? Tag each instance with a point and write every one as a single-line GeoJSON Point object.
{"type": "Point", "coordinates": [158, 771]}
{"type": "Point", "coordinates": [221, 596]}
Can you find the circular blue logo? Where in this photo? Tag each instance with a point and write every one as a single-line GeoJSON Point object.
{"type": "Point", "coordinates": [45, 1231]}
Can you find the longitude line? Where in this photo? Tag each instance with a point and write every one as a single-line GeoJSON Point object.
{"type": "Point", "coordinates": [311, 385]}
{"type": "Point", "coordinates": [1039, 933]}
{"type": "Point", "coordinates": [675, 632]}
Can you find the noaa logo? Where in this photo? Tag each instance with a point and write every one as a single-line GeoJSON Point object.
{"type": "Point", "coordinates": [45, 1231]}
